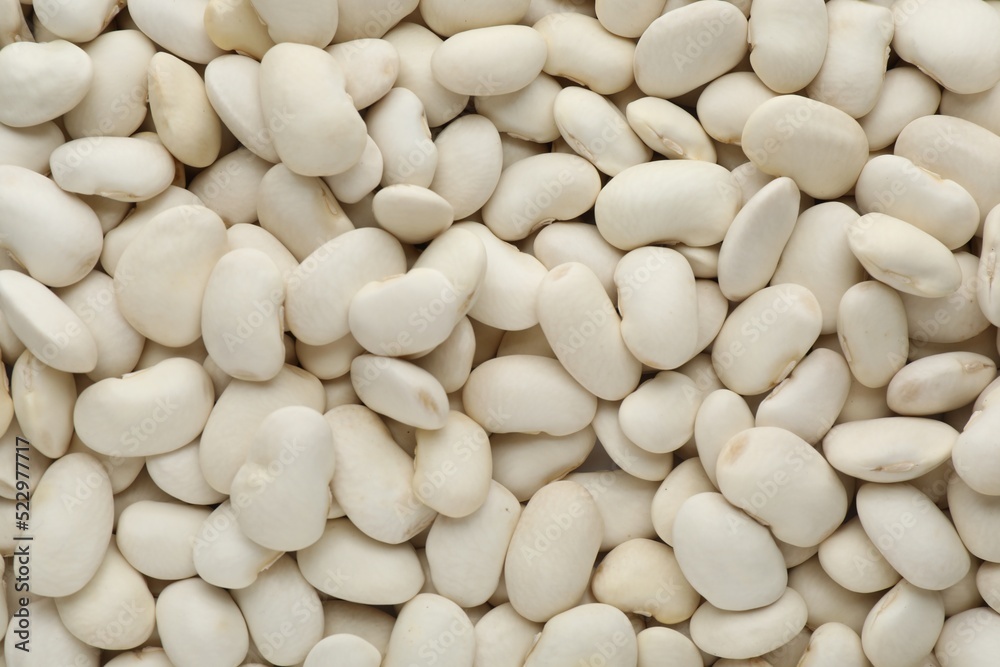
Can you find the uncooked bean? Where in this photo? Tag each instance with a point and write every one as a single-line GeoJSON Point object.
{"type": "Point", "coordinates": [788, 42]}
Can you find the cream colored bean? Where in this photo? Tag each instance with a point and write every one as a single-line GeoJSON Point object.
{"type": "Point", "coordinates": [722, 415]}
{"type": "Point", "coordinates": [157, 538]}
{"type": "Point", "coordinates": [238, 413]}
{"type": "Point", "coordinates": [579, 242]}
{"type": "Point", "coordinates": [184, 117]}
{"type": "Point", "coordinates": [786, 136]}
{"type": "Point", "coordinates": [411, 213]}
{"type": "Point", "coordinates": [659, 415]}
{"type": "Point", "coordinates": [224, 556]}
{"type": "Point", "coordinates": [149, 412]}
{"type": "Point", "coordinates": [30, 147]}
{"type": "Point", "coordinates": [753, 243]}
{"type": "Point", "coordinates": [671, 57]}
{"type": "Point", "coordinates": [788, 42]}
{"type": "Point", "coordinates": [71, 502]}
{"type": "Point", "coordinates": [984, 624]}
{"type": "Point", "coordinates": [903, 256]}
{"type": "Point", "coordinates": [346, 648]}
{"type": "Point", "coordinates": [778, 478]}
{"type": "Point", "coordinates": [318, 315]}
{"type": "Point", "coordinates": [46, 325]}
{"type": "Point", "coordinates": [300, 211]}
{"type": "Point", "coordinates": [631, 458]}
{"type": "Point", "coordinates": [808, 402]}
{"type": "Point", "coordinates": [552, 551]}
{"type": "Point", "coordinates": [447, 17]}
{"type": "Point", "coordinates": [233, 25]}
{"type": "Point", "coordinates": [658, 298]}
{"type": "Point", "coordinates": [954, 149]}
{"type": "Point", "coordinates": [230, 185]}
{"type": "Point", "coordinates": [41, 82]}
{"type": "Point", "coordinates": [370, 68]}
{"type": "Point", "coordinates": [179, 474]}
{"type": "Point", "coordinates": [347, 563]}
{"type": "Point", "coordinates": [685, 480]}
{"type": "Point", "coordinates": [282, 603]}
{"type": "Point", "coordinates": [232, 84]}
{"type": "Point", "coordinates": [494, 60]}
{"type": "Point", "coordinates": [912, 534]}
{"type": "Point", "coordinates": [538, 190]}
{"type": "Point", "coordinates": [987, 275]}
{"type": "Point", "coordinates": [397, 124]}
{"type": "Point", "coordinates": [197, 622]}
{"type": "Point", "coordinates": [624, 577]}
{"type": "Point", "coordinates": [866, 308]}
{"type": "Point", "coordinates": [400, 390]}
{"type": "Point", "coordinates": [451, 361]}
{"type": "Point", "coordinates": [857, 51]}
{"type": "Point", "coordinates": [416, 45]}
{"type": "Point", "coordinates": [43, 400]}
{"type": "Point", "coordinates": [907, 94]}
{"type": "Point", "coordinates": [853, 561]}
{"type": "Point", "coordinates": [669, 130]}
{"type": "Point", "coordinates": [311, 23]}
{"type": "Point", "coordinates": [508, 296]}
{"type": "Point", "coordinates": [905, 609]}
{"type": "Point", "coordinates": [121, 168]}
{"type": "Point", "coordinates": [520, 394]}
{"type": "Point", "coordinates": [462, 259]}
{"type": "Point", "coordinates": [939, 383]}
{"type": "Point", "coordinates": [591, 348]}
{"type": "Point", "coordinates": [504, 637]}
{"type": "Point", "coordinates": [583, 51]}
{"type": "Point", "coordinates": [428, 618]}
{"type": "Point", "coordinates": [743, 356]}
{"type": "Point", "coordinates": [628, 18]}
{"type": "Point", "coordinates": [726, 103]}
{"type": "Point", "coordinates": [834, 644]}
{"type": "Point", "coordinates": [727, 557]}
{"type": "Point", "coordinates": [818, 257]}
{"type": "Point", "coordinates": [179, 28]}
{"type": "Point", "coordinates": [291, 458]}
{"type": "Point", "coordinates": [974, 515]}
{"type": "Point", "coordinates": [744, 634]}
{"type": "Point", "coordinates": [579, 634]}
{"type": "Point", "coordinates": [302, 89]}
{"type": "Point", "coordinates": [526, 113]}
{"type": "Point", "coordinates": [978, 108]}
{"type": "Point", "coordinates": [655, 642]}
{"type": "Point", "coordinates": [598, 131]}
{"type": "Point", "coordinates": [121, 236]}
{"type": "Point", "coordinates": [893, 185]}
{"type": "Point", "coordinates": [353, 185]}
{"type": "Point", "coordinates": [469, 164]}
{"type": "Point", "coordinates": [975, 459]}
{"type": "Point", "coordinates": [373, 477]}
{"type": "Point", "coordinates": [524, 463]}
{"type": "Point", "coordinates": [702, 199]}
{"type": "Point", "coordinates": [892, 449]}
{"type": "Point", "coordinates": [178, 247]}
{"type": "Point", "coordinates": [452, 467]}
{"type": "Point", "coordinates": [466, 554]}
{"type": "Point", "coordinates": [60, 647]}
{"type": "Point", "coordinates": [966, 65]}
{"type": "Point", "coordinates": [91, 612]}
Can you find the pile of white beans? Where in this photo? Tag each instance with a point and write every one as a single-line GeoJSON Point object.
{"type": "Point", "coordinates": [500, 333]}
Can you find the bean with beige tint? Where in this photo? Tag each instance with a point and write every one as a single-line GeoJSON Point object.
{"type": "Point", "coordinates": [669, 130]}
{"type": "Point", "coordinates": [397, 124]}
{"type": "Point", "coordinates": [579, 242]}
{"type": "Point", "coordinates": [912, 534]}
{"type": "Point", "coordinates": [788, 42]}
{"type": "Point", "coordinates": [907, 94]}
{"type": "Point", "coordinates": [373, 477]}
{"type": "Point", "coordinates": [527, 394]}
{"type": "Point", "coordinates": [42, 81]}
{"type": "Point", "coordinates": [161, 277]}
{"type": "Point", "coordinates": [526, 113]}
{"type": "Point", "coordinates": [974, 515]}
{"type": "Point", "coordinates": [987, 291]}
{"type": "Point", "coordinates": [224, 556]}
{"type": "Point", "coordinates": [60, 645]}
{"type": "Point", "coordinates": [425, 619]}
{"type": "Point", "coordinates": [317, 315]}
{"type": "Point", "coordinates": [326, 136]}
{"type": "Point", "coordinates": [687, 479]}
{"type": "Point", "coordinates": [452, 466]}
{"type": "Point", "coordinates": [233, 25]}
{"type": "Point", "coordinates": [232, 84]}
{"type": "Point", "coordinates": [631, 458]}
{"type": "Point", "coordinates": [181, 111]}
{"type": "Point", "coordinates": [727, 557]}
{"type": "Point", "coordinates": [744, 634]}
{"type": "Point", "coordinates": [853, 561]}
{"type": "Point", "coordinates": [591, 348]}
{"type": "Point", "coordinates": [702, 200]}
{"type": "Point", "coordinates": [891, 449]}
{"type": "Point", "coordinates": [539, 190]}
{"type": "Point", "coordinates": [659, 415]}
{"type": "Point", "coordinates": [552, 550]}
{"type": "Point", "coordinates": [582, 50]}
{"type": "Point", "coordinates": [524, 463]}
{"type": "Point", "coordinates": [801, 138]}
{"type": "Point", "coordinates": [157, 538]}
{"type": "Point", "coordinates": [598, 131]}
{"type": "Point", "coordinates": [808, 402]}
{"type": "Point", "coordinates": [974, 456]}
{"type": "Point", "coordinates": [493, 60]}
{"type": "Point", "coordinates": [670, 58]}
{"type": "Point", "coordinates": [239, 411]}
{"type": "Point", "coordinates": [197, 622]}
{"type": "Point", "coordinates": [865, 309]}
{"type": "Point", "coordinates": [623, 502]}
{"type": "Point", "coordinates": [415, 45]}
{"type": "Point", "coordinates": [939, 383]}
{"type": "Point", "coordinates": [580, 633]}
{"type": "Point", "coordinates": [725, 104]}
{"type": "Point", "coordinates": [504, 637]}
{"type": "Point", "coordinates": [905, 609]}
{"type": "Point", "coordinates": [857, 50]}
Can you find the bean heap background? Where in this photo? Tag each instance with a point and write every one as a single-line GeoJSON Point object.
{"type": "Point", "coordinates": [501, 333]}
